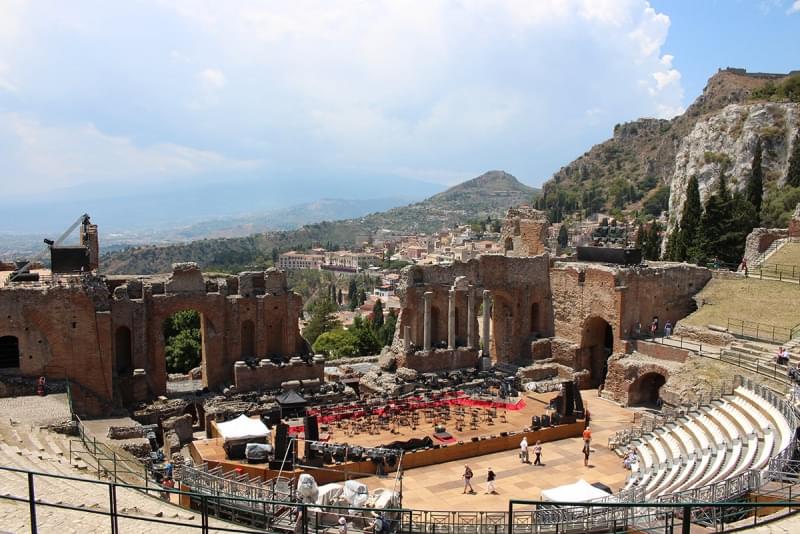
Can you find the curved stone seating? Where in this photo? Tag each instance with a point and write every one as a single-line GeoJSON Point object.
{"type": "Point", "coordinates": [735, 434]}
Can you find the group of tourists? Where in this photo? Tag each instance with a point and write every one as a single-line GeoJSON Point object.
{"type": "Point", "coordinates": [491, 476]}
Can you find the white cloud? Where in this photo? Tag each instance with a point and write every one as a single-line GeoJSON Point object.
{"type": "Point", "coordinates": [45, 157]}
{"type": "Point", "coordinates": [213, 78]}
{"type": "Point", "coordinates": [794, 8]}
{"type": "Point", "coordinates": [442, 87]}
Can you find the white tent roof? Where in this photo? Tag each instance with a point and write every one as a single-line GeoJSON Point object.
{"type": "Point", "coordinates": [580, 491]}
{"type": "Point", "coordinates": [242, 428]}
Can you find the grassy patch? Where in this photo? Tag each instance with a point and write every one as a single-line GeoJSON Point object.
{"type": "Point", "coordinates": [788, 254]}
{"type": "Point", "coordinates": [763, 301]}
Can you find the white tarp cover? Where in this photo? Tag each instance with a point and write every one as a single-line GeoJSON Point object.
{"type": "Point", "coordinates": [242, 428]}
{"type": "Point", "coordinates": [581, 491]}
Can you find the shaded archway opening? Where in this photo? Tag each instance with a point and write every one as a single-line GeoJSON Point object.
{"type": "Point", "coordinates": [123, 351]}
{"type": "Point", "coordinates": [436, 329]}
{"type": "Point", "coordinates": [598, 341]}
{"type": "Point", "coordinates": [534, 326]}
{"type": "Point", "coordinates": [646, 390]}
{"type": "Point", "coordinates": [248, 339]}
{"type": "Point", "coordinates": [509, 244]}
{"type": "Point", "coordinates": [9, 352]}
{"type": "Point", "coordinates": [183, 341]}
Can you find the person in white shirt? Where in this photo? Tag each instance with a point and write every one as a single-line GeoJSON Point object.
{"type": "Point", "coordinates": [523, 451]}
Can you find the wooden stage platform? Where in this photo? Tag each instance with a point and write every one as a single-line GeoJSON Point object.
{"type": "Point", "coordinates": [502, 432]}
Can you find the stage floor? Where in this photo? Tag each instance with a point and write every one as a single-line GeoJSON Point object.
{"type": "Point", "coordinates": [516, 420]}
{"type": "Point", "coordinates": [439, 487]}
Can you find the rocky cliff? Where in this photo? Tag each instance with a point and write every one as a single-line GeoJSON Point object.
{"type": "Point", "coordinates": [727, 140]}
{"type": "Point", "coordinates": [646, 164]}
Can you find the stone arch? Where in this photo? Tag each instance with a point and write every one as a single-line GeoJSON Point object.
{"type": "Point", "coordinates": [508, 244]}
{"type": "Point", "coordinates": [597, 344]}
{"type": "Point", "coordinates": [123, 351]}
{"type": "Point", "coordinates": [9, 352]}
{"type": "Point", "coordinates": [645, 390]}
{"type": "Point", "coordinates": [248, 339]}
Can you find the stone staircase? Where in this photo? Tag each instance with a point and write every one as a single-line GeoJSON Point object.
{"type": "Point", "coordinates": [750, 352]}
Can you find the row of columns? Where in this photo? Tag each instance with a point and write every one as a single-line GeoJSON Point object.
{"type": "Point", "coordinates": [427, 299]}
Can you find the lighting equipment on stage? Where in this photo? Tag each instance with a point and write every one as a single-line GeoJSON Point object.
{"type": "Point", "coordinates": [545, 420]}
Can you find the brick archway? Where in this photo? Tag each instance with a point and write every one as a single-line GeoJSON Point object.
{"type": "Point", "coordinates": [645, 390]}
{"type": "Point", "coordinates": [597, 344]}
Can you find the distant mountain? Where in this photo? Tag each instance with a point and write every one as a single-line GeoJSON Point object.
{"type": "Point", "coordinates": [488, 195]}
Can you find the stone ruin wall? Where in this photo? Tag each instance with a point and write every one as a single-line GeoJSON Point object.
{"type": "Point", "coordinates": [271, 376]}
{"type": "Point", "coordinates": [576, 301]}
{"type": "Point", "coordinates": [524, 232]}
{"type": "Point", "coordinates": [514, 285]}
{"type": "Point", "coordinates": [77, 331]}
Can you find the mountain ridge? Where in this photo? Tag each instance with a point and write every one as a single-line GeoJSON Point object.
{"type": "Point", "coordinates": [488, 195]}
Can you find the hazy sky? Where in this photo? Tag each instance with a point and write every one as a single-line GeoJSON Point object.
{"type": "Point", "coordinates": [121, 92]}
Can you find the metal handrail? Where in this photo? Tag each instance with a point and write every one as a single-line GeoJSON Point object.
{"type": "Point", "coordinates": [545, 516]}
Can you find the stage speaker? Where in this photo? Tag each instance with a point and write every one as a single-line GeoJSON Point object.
{"type": "Point", "coordinates": [311, 428]}
{"type": "Point", "coordinates": [556, 419]}
{"type": "Point", "coordinates": [536, 422]}
{"type": "Point", "coordinates": [282, 442]}
{"type": "Point", "coordinates": [578, 398]}
{"type": "Point", "coordinates": [568, 406]}
{"type": "Point", "coordinates": [545, 420]}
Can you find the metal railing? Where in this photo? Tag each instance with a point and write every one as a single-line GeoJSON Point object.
{"type": "Point", "coordinates": [708, 508]}
{"type": "Point", "coordinates": [762, 331]}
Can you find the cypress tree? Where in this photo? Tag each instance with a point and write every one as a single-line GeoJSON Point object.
{"type": "Point", "coordinates": [687, 241]}
{"type": "Point", "coordinates": [377, 315]}
{"type": "Point", "coordinates": [793, 173]}
{"type": "Point", "coordinates": [755, 186]}
{"type": "Point", "coordinates": [563, 236]}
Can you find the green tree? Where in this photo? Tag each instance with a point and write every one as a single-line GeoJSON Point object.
{"type": "Point", "coordinates": [322, 320]}
{"type": "Point", "coordinates": [362, 297]}
{"type": "Point", "coordinates": [725, 224]}
{"type": "Point", "coordinates": [275, 255]}
{"type": "Point", "coordinates": [386, 334]}
{"type": "Point", "coordinates": [183, 341]}
{"type": "Point", "coordinates": [755, 185]}
{"type": "Point", "coordinates": [651, 242]}
{"type": "Point", "coordinates": [339, 297]}
{"type": "Point", "coordinates": [793, 172]}
{"type": "Point", "coordinates": [336, 344]}
{"type": "Point", "coordinates": [686, 243]}
{"type": "Point", "coordinates": [640, 236]}
{"type": "Point", "coordinates": [352, 295]}
{"type": "Point", "coordinates": [377, 315]}
{"type": "Point", "coordinates": [563, 236]}
{"type": "Point", "coordinates": [366, 337]}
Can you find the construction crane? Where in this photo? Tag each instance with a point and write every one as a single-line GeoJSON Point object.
{"type": "Point", "coordinates": [82, 220]}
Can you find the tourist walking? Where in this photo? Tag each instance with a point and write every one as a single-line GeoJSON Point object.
{"type": "Point", "coordinates": [342, 525]}
{"type": "Point", "coordinates": [654, 328]}
{"type": "Point", "coordinates": [467, 479]}
{"type": "Point", "coordinates": [586, 451]}
{"type": "Point", "coordinates": [667, 329]}
{"type": "Point", "coordinates": [523, 451]}
{"type": "Point", "coordinates": [490, 478]}
{"type": "Point", "coordinates": [537, 450]}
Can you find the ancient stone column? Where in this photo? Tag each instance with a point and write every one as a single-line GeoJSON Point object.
{"type": "Point", "coordinates": [407, 339]}
{"type": "Point", "coordinates": [487, 304]}
{"type": "Point", "coordinates": [451, 319]}
{"type": "Point", "coordinates": [426, 325]}
{"type": "Point", "coordinates": [470, 317]}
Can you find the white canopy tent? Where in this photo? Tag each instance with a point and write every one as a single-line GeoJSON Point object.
{"type": "Point", "coordinates": [243, 428]}
{"type": "Point", "coordinates": [581, 491]}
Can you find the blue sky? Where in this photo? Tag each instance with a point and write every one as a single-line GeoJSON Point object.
{"type": "Point", "coordinates": [152, 93]}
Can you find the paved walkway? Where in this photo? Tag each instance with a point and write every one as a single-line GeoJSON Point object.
{"type": "Point", "coordinates": [439, 487]}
